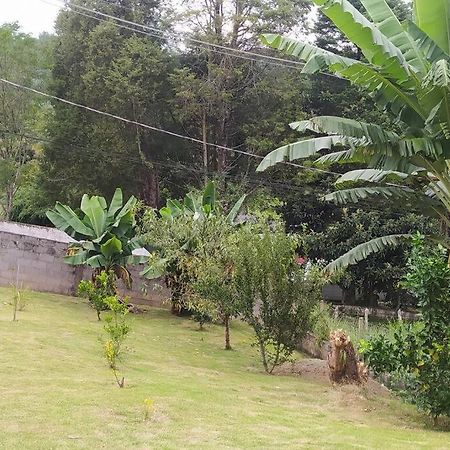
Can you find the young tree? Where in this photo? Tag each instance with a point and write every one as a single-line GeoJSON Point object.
{"type": "Point", "coordinates": [277, 296]}
{"type": "Point", "coordinates": [420, 352]}
{"type": "Point", "coordinates": [213, 285]}
{"type": "Point", "coordinates": [186, 232]}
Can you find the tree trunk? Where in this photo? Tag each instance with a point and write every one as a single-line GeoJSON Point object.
{"type": "Point", "coordinates": [237, 23]}
{"type": "Point", "coordinates": [263, 355]}
{"type": "Point", "coordinates": [343, 361]}
{"type": "Point", "coordinates": [218, 20]}
{"type": "Point", "coordinates": [222, 153]}
{"type": "Point", "coordinates": [149, 191]}
{"type": "Point", "coordinates": [205, 146]}
{"type": "Point", "coordinates": [227, 332]}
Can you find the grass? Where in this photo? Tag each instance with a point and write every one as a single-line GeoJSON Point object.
{"type": "Point", "coordinates": [56, 391]}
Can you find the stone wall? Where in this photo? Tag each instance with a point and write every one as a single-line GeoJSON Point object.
{"type": "Point", "coordinates": [32, 256]}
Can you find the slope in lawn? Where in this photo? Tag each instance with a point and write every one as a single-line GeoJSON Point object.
{"type": "Point", "coordinates": [57, 392]}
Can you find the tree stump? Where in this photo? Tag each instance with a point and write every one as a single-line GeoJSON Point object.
{"type": "Point", "coordinates": [343, 361]}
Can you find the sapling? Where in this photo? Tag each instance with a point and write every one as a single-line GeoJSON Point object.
{"type": "Point", "coordinates": [18, 301]}
{"type": "Point", "coordinates": [277, 295]}
{"type": "Point", "coordinates": [117, 329]}
{"type": "Point", "coordinates": [98, 290]}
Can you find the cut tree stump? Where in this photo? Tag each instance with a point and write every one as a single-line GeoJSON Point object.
{"type": "Point", "coordinates": [343, 361]}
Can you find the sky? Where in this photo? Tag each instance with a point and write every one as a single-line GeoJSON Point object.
{"type": "Point", "coordinates": [34, 16]}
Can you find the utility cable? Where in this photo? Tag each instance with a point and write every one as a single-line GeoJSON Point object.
{"type": "Point", "coordinates": [157, 129]}
{"type": "Point", "coordinates": [244, 54]}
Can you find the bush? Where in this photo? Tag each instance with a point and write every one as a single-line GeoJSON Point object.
{"type": "Point", "coordinates": [98, 291]}
{"type": "Point", "coordinates": [420, 352]}
{"type": "Point", "coordinates": [276, 295]}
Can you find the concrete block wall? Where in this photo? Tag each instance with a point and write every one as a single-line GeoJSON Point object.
{"type": "Point", "coordinates": [33, 256]}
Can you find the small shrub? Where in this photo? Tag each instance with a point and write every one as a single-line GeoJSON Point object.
{"type": "Point", "coordinates": [215, 296]}
{"type": "Point", "coordinates": [201, 311]}
{"type": "Point", "coordinates": [18, 302]}
{"type": "Point", "coordinates": [149, 407]}
{"type": "Point", "coordinates": [117, 329]}
{"type": "Point", "coordinates": [323, 323]}
{"type": "Point", "coordinates": [98, 291]}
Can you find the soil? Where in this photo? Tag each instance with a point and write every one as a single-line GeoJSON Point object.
{"type": "Point", "coordinates": [317, 370]}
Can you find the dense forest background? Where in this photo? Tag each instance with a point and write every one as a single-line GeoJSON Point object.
{"type": "Point", "coordinates": [196, 69]}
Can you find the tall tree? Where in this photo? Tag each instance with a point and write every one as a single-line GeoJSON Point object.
{"type": "Point", "coordinates": [116, 70]}
{"type": "Point", "coordinates": [23, 59]}
{"type": "Point", "coordinates": [213, 88]}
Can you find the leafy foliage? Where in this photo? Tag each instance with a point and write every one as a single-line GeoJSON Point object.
{"type": "Point", "coordinates": [185, 232]}
{"type": "Point", "coordinates": [276, 295]}
{"type": "Point", "coordinates": [213, 290]}
{"type": "Point", "coordinates": [25, 60]}
{"type": "Point", "coordinates": [105, 236]}
{"type": "Point", "coordinates": [108, 68]}
{"type": "Point", "coordinates": [117, 330]}
{"type": "Point", "coordinates": [379, 272]}
{"type": "Point", "coordinates": [421, 351]}
{"type": "Point", "coordinates": [98, 291]}
{"type": "Point", "coordinates": [405, 81]}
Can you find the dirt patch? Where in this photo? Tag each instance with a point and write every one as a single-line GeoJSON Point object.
{"type": "Point", "coordinates": [317, 370]}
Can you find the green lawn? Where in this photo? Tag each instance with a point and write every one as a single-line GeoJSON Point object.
{"type": "Point", "coordinates": [56, 391]}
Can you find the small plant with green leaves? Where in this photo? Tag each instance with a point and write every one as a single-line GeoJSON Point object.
{"type": "Point", "coordinates": [117, 330]}
{"type": "Point", "coordinates": [213, 293]}
{"type": "Point", "coordinates": [98, 291]}
{"type": "Point", "coordinates": [420, 352]}
{"type": "Point", "coordinates": [105, 235]}
{"type": "Point", "coordinates": [149, 408]}
{"type": "Point", "coordinates": [185, 232]}
{"type": "Point", "coordinates": [18, 302]}
{"type": "Point", "coordinates": [201, 310]}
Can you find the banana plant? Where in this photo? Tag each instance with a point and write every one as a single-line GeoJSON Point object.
{"type": "Point", "coordinates": [199, 206]}
{"type": "Point", "coordinates": [406, 70]}
{"type": "Point", "coordinates": [105, 236]}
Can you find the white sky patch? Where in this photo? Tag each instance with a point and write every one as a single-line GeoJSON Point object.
{"type": "Point", "coordinates": [33, 16]}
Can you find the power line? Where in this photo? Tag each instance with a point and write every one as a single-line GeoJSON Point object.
{"type": "Point", "coordinates": [159, 130]}
{"type": "Point", "coordinates": [176, 165]}
{"type": "Point", "coordinates": [171, 133]}
{"type": "Point", "coordinates": [164, 38]}
{"type": "Point", "coordinates": [191, 39]}
{"type": "Point", "coordinates": [179, 166]}
{"type": "Point", "coordinates": [238, 53]}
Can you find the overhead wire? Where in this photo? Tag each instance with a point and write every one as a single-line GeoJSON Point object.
{"type": "Point", "coordinates": [159, 34]}
{"type": "Point", "coordinates": [175, 165]}
{"type": "Point", "coordinates": [171, 133]}
{"type": "Point", "coordinates": [157, 129]}
{"type": "Point", "coordinates": [179, 166]}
